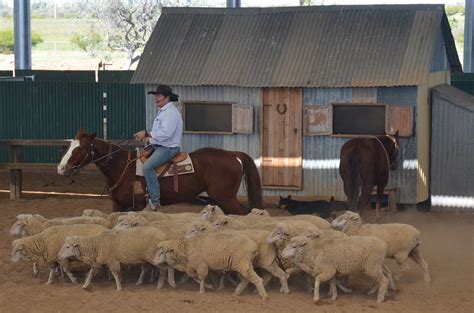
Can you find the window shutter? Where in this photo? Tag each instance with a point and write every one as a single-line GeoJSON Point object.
{"type": "Point", "coordinates": [242, 119]}
{"type": "Point", "coordinates": [399, 118]}
{"type": "Point", "coordinates": [317, 120]}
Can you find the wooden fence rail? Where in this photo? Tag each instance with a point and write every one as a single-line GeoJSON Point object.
{"type": "Point", "coordinates": [16, 166]}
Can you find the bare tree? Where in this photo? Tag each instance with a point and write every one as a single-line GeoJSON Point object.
{"type": "Point", "coordinates": [125, 25]}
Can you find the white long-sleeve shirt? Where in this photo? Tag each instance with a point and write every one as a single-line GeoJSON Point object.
{"type": "Point", "coordinates": [167, 127]}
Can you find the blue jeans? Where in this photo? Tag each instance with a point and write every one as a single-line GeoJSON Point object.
{"type": "Point", "coordinates": [160, 156]}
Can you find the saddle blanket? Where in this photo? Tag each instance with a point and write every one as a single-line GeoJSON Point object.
{"type": "Point", "coordinates": [184, 167]}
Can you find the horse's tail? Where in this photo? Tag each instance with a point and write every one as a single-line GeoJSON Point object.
{"type": "Point", "coordinates": [356, 179]}
{"type": "Point", "coordinates": [252, 180]}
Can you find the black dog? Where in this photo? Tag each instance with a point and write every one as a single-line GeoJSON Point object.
{"type": "Point", "coordinates": [322, 208]}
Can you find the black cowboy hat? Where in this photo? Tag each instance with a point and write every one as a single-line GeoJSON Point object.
{"type": "Point", "coordinates": [165, 91]}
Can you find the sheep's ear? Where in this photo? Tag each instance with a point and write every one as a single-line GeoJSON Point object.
{"type": "Point", "coordinates": [302, 244]}
{"type": "Point", "coordinates": [203, 228]}
{"type": "Point", "coordinates": [224, 222]}
{"type": "Point", "coordinates": [289, 196]}
{"type": "Point", "coordinates": [92, 136]}
{"type": "Point", "coordinates": [281, 198]}
{"type": "Point", "coordinates": [135, 223]}
{"type": "Point", "coordinates": [75, 244]}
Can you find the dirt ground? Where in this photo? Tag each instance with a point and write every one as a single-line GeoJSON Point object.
{"type": "Point", "coordinates": [447, 246]}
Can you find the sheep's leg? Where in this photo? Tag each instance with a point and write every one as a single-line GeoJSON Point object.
{"type": "Point", "coordinates": [152, 275]}
{"type": "Point", "coordinates": [333, 289]}
{"type": "Point", "coordinates": [221, 282]}
{"type": "Point", "coordinates": [35, 270]}
{"type": "Point", "coordinates": [309, 284]}
{"type": "Point", "coordinates": [416, 256]}
{"type": "Point", "coordinates": [401, 259]}
{"type": "Point", "coordinates": [202, 274]}
{"type": "Point", "coordinates": [51, 275]}
{"type": "Point", "coordinates": [341, 285]}
{"type": "Point", "coordinates": [142, 275]}
{"type": "Point", "coordinates": [383, 285]}
{"type": "Point", "coordinates": [171, 281]}
{"type": "Point", "coordinates": [241, 286]}
{"type": "Point", "coordinates": [91, 274]}
{"type": "Point", "coordinates": [276, 271]}
{"type": "Point", "coordinates": [250, 275]}
{"type": "Point", "coordinates": [321, 278]}
{"type": "Point", "coordinates": [115, 270]}
{"type": "Point", "coordinates": [161, 277]}
{"type": "Point", "coordinates": [266, 278]}
{"type": "Point", "coordinates": [388, 273]}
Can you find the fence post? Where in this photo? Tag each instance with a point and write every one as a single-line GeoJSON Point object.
{"type": "Point", "coordinates": [15, 174]}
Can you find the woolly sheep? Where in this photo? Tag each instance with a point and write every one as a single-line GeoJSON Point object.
{"type": "Point", "coordinates": [214, 251]}
{"type": "Point", "coordinates": [132, 246]}
{"type": "Point", "coordinates": [322, 259]}
{"type": "Point", "coordinates": [402, 240]}
{"type": "Point", "coordinates": [267, 258]}
{"type": "Point", "coordinates": [112, 217]}
{"type": "Point", "coordinates": [315, 220]}
{"type": "Point", "coordinates": [44, 247]}
{"type": "Point", "coordinates": [29, 224]}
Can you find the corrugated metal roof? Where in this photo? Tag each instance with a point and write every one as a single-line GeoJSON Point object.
{"type": "Point", "coordinates": [455, 96]}
{"type": "Point", "coordinates": [325, 46]}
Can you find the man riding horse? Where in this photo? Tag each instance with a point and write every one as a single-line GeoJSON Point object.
{"type": "Point", "coordinates": [164, 137]}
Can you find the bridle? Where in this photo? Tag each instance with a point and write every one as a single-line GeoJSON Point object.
{"type": "Point", "coordinates": [91, 152]}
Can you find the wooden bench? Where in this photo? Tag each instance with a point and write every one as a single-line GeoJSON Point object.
{"type": "Point", "coordinates": [16, 166]}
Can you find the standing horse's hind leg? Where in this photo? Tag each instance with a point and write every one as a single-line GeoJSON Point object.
{"type": "Point", "coordinates": [378, 207]}
{"type": "Point", "coordinates": [364, 198]}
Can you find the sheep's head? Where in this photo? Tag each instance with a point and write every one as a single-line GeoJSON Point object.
{"type": "Point", "coordinates": [19, 228]}
{"type": "Point", "coordinates": [221, 222]}
{"type": "Point", "coordinates": [129, 221]}
{"type": "Point", "coordinates": [258, 212]}
{"type": "Point", "coordinates": [210, 212]}
{"type": "Point", "coordinates": [295, 249]}
{"type": "Point", "coordinates": [345, 220]}
{"type": "Point", "coordinates": [19, 252]}
{"type": "Point", "coordinates": [166, 252]}
{"type": "Point", "coordinates": [91, 212]}
{"type": "Point", "coordinates": [70, 248]}
{"type": "Point", "coordinates": [278, 235]}
{"type": "Point", "coordinates": [198, 228]}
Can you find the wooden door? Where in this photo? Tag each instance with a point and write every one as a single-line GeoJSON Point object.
{"type": "Point", "coordinates": [281, 138]}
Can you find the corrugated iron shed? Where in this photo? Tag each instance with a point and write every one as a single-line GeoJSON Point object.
{"type": "Point", "coordinates": [321, 46]}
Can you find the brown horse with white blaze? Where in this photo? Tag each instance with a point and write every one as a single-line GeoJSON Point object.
{"type": "Point", "coordinates": [365, 163]}
{"type": "Point", "coordinates": [218, 172]}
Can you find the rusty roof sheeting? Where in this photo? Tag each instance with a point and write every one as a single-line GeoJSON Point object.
{"type": "Point", "coordinates": [326, 46]}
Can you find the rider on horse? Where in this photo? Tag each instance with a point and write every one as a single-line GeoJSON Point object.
{"type": "Point", "coordinates": [165, 138]}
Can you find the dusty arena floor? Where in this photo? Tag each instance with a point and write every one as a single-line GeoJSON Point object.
{"type": "Point", "coordinates": [447, 247]}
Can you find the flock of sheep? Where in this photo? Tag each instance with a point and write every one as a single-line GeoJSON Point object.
{"type": "Point", "coordinates": [210, 245]}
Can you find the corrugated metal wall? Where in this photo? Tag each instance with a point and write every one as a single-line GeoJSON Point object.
{"type": "Point", "coordinates": [452, 151]}
{"type": "Point", "coordinates": [320, 153]}
{"type": "Point", "coordinates": [56, 110]}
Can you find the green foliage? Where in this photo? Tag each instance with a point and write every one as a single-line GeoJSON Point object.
{"type": "Point", "coordinates": [7, 40]}
{"type": "Point", "coordinates": [454, 9]}
{"type": "Point", "coordinates": [91, 43]}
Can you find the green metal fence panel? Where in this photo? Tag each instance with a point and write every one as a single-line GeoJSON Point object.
{"type": "Point", "coordinates": [125, 109]}
{"type": "Point", "coordinates": [464, 81]}
{"type": "Point", "coordinates": [115, 76]}
{"type": "Point", "coordinates": [47, 110]}
{"type": "Point", "coordinates": [58, 76]}
{"type": "Point", "coordinates": [6, 73]}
